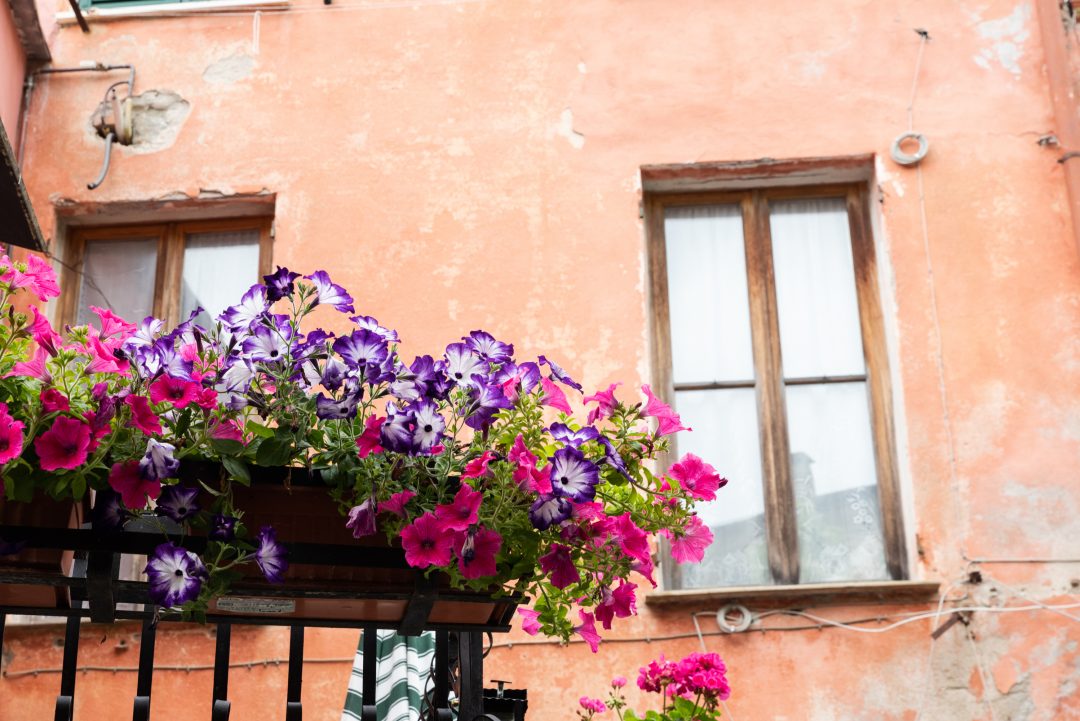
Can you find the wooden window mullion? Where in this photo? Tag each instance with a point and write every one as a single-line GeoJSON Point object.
{"type": "Point", "coordinates": [780, 521]}
{"type": "Point", "coordinates": [879, 384]}
{"type": "Point", "coordinates": [170, 274]}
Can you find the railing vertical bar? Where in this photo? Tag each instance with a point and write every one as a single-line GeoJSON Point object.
{"type": "Point", "coordinates": [146, 671]}
{"type": "Point", "coordinates": [442, 675]}
{"type": "Point", "coordinates": [471, 674]}
{"type": "Point", "coordinates": [65, 702]}
{"type": "Point", "coordinates": [294, 710]}
{"type": "Point", "coordinates": [3, 622]}
{"type": "Point", "coordinates": [222, 706]}
{"type": "Point", "coordinates": [371, 670]}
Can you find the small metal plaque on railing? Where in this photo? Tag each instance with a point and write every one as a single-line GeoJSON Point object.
{"type": "Point", "coordinates": [250, 604]}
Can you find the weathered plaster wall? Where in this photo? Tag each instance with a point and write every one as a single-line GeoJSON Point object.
{"type": "Point", "coordinates": [475, 164]}
{"type": "Point", "coordinates": [12, 71]}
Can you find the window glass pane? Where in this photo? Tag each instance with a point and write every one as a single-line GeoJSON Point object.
{"type": "Point", "coordinates": [218, 269]}
{"type": "Point", "coordinates": [118, 275]}
{"type": "Point", "coordinates": [834, 477]}
{"type": "Point", "coordinates": [726, 435]}
{"type": "Point", "coordinates": [815, 288]}
{"type": "Point", "coordinates": [710, 312]}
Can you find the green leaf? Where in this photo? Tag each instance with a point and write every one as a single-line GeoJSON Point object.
{"type": "Point", "coordinates": [211, 491]}
{"type": "Point", "coordinates": [78, 486]}
{"type": "Point", "coordinates": [183, 422]}
{"type": "Point", "coordinates": [274, 452]}
{"type": "Point", "coordinates": [20, 487]}
{"type": "Point", "coordinates": [260, 430]}
{"type": "Point", "coordinates": [237, 469]}
{"type": "Point", "coordinates": [227, 447]}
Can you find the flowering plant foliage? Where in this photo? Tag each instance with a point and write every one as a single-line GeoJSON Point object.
{"type": "Point", "coordinates": [472, 460]}
{"type": "Point", "coordinates": [692, 689]}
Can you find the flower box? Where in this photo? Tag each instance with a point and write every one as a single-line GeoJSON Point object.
{"type": "Point", "coordinates": [37, 563]}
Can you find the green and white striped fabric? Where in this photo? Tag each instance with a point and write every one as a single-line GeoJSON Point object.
{"type": "Point", "coordinates": [404, 668]}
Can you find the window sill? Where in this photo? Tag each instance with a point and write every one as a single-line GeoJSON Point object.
{"type": "Point", "coordinates": [170, 8]}
{"type": "Point", "coordinates": [817, 594]}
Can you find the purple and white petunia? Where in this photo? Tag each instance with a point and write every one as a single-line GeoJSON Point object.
{"type": "Point", "coordinates": [549, 510]}
{"type": "Point", "coordinates": [222, 527]}
{"type": "Point", "coordinates": [331, 409]}
{"type": "Point", "coordinates": [366, 322]}
{"type": "Point", "coordinates": [573, 475]}
{"type": "Point", "coordinates": [559, 374]}
{"type": "Point", "coordinates": [158, 462]}
{"type": "Point", "coordinates": [109, 512]}
{"type": "Point", "coordinates": [363, 350]}
{"type": "Point", "coordinates": [563, 432]}
{"type": "Point", "coordinates": [175, 574]}
{"type": "Point", "coordinates": [362, 519]}
{"type": "Point", "coordinates": [489, 399]}
{"type": "Point", "coordinates": [265, 345]}
{"type": "Point", "coordinates": [279, 284]}
{"type": "Point", "coordinates": [178, 502]}
{"type": "Point", "coordinates": [429, 425]}
{"type": "Point", "coordinates": [462, 364]}
{"type": "Point", "coordinates": [396, 433]}
{"type": "Point", "coordinates": [270, 555]}
{"type": "Point", "coordinates": [252, 306]}
{"type": "Point", "coordinates": [613, 458]}
{"type": "Point", "coordinates": [333, 374]}
{"type": "Point", "coordinates": [330, 293]}
{"type": "Point", "coordinates": [485, 346]}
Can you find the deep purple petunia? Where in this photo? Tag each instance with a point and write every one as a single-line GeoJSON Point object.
{"type": "Point", "coordinates": [462, 365]}
{"type": "Point", "coordinates": [222, 527]}
{"type": "Point", "coordinates": [279, 284]}
{"type": "Point", "coordinates": [330, 293]}
{"type": "Point", "coordinates": [175, 574]}
{"type": "Point", "coordinates": [396, 433]}
{"type": "Point", "coordinates": [573, 475]}
{"type": "Point", "coordinates": [426, 372]}
{"type": "Point", "coordinates": [527, 375]}
{"type": "Point", "coordinates": [109, 512]}
{"type": "Point", "coordinates": [613, 459]}
{"type": "Point", "coordinates": [563, 432]}
{"type": "Point", "coordinates": [158, 462]}
{"type": "Point", "coordinates": [489, 399]}
{"type": "Point", "coordinates": [178, 502]}
{"type": "Point", "coordinates": [362, 519]}
{"type": "Point", "coordinates": [559, 374]}
{"type": "Point", "coordinates": [548, 510]}
{"type": "Point", "coordinates": [485, 346]}
{"type": "Point", "coordinates": [333, 374]}
{"type": "Point", "coordinates": [252, 306]}
{"type": "Point", "coordinates": [170, 361]}
{"type": "Point", "coordinates": [270, 555]}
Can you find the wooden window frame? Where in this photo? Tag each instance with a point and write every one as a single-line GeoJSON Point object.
{"type": "Point", "coordinates": [170, 258]}
{"type": "Point", "coordinates": [780, 518]}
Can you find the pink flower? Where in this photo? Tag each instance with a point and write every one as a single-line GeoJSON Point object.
{"type": "Point", "coordinates": [594, 705]}
{"type": "Point", "coordinates": [64, 445]}
{"type": "Point", "coordinates": [126, 480]}
{"type": "Point", "coordinates": [225, 430]}
{"type": "Point", "coordinates": [553, 396]}
{"type": "Point", "coordinates": [112, 324]}
{"type": "Point", "coordinates": [43, 333]}
{"type": "Point", "coordinates": [34, 368]}
{"type": "Point", "coordinates": [688, 545]}
{"type": "Point", "coordinates": [529, 622]}
{"type": "Point", "coordinates": [669, 419]}
{"type": "Point", "coordinates": [142, 417]}
{"type": "Point", "coordinates": [587, 630]}
{"type": "Point", "coordinates": [618, 681]}
{"type": "Point", "coordinates": [462, 512]}
{"type": "Point", "coordinates": [102, 359]}
{"type": "Point", "coordinates": [53, 401]}
{"type": "Point", "coordinates": [368, 442]}
{"type": "Point", "coordinates": [476, 558]}
{"type": "Point", "coordinates": [527, 475]}
{"type": "Point", "coordinates": [39, 277]}
{"type": "Point", "coordinates": [478, 467]}
{"type": "Point", "coordinates": [621, 603]}
{"type": "Point", "coordinates": [98, 428]}
{"type": "Point", "coordinates": [11, 440]}
{"type": "Point", "coordinates": [427, 543]}
{"type": "Point", "coordinates": [698, 478]}
{"type": "Point", "coordinates": [396, 504]}
{"type": "Point", "coordinates": [206, 398]}
{"type": "Point", "coordinates": [559, 566]}
{"type": "Point", "coordinates": [362, 519]}
{"type": "Point", "coordinates": [177, 391]}
{"type": "Point", "coordinates": [605, 401]}
{"type": "Point", "coordinates": [633, 541]}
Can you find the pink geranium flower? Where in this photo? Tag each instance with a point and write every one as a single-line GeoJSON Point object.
{"type": "Point", "coordinates": [553, 396]}
{"type": "Point", "coordinates": [689, 544]}
{"type": "Point", "coordinates": [462, 512]}
{"type": "Point", "coordinates": [396, 503]}
{"type": "Point", "coordinates": [11, 440]}
{"type": "Point", "coordinates": [142, 417]}
{"type": "Point", "coordinates": [64, 445]}
{"type": "Point", "coordinates": [478, 467]}
{"type": "Point", "coordinates": [529, 622]}
{"type": "Point", "coordinates": [53, 401]}
{"type": "Point", "coordinates": [559, 566]}
{"type": "Point", "coordinates": [605, 403]}
{"type": "Point", "coordinates": [669, 420]}
{"type": "Point", "coordinates": [587, 630]}
{"type": "Point", "coordinates": [126, 480]}
{"type": "Point", "coordinates": [427, 543]}
{"type": "Point", "coordinates": [699, 478]}
{"type": "Point", "coordinates": [368, 442]}
{"type": "Point", "coordinates": [177, 391]}
{"type": "Point", "coordinates": [476, 557]}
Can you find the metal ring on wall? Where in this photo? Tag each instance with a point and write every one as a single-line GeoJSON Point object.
{"type": "Point", "coordinates": [740, 612]}
{"type": "Point", "coordinates": [910, 158]}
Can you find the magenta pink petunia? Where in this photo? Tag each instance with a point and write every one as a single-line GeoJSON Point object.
{"type": "Point", "coordinates": [587, 630]}
{"type": "Point", "coordinates": [427, 543]}
{"type": "Point", "coordinates": [53, 401]}
{"type": "Point", "coordinates": [553, 396]}
{"type": "Point", "coordinates": [559, 566]}
{"type": "Point", "coordinates": [698, 478]}
{"type": "Point", "coordinates": [462, 512]}
{"type": "Point", "coordinates": [478, 467]}
{"type": "Point", "coordinates": [142, 416]}
{"type": "Point", "coordinates": [529, 622]}
{"type": "Point", "coordinates": [11, 440]}
{"type": "Point", "coordinates": [668, 419]}
{"type": "Point", "coordinates": [126, 480]}
{"type": "Point", "coordinates": [396, 503]}
{"type": "Point", "coordinates": [43, 332]}
{"type": "Point", "coordinates": [34, 368]}
{"type": "Point", "coordinates": [605, 403]}
{"type": "Point", "coordinates": [64, 445]}
{"type": "Point", "coordinates": [113, 325]}
{"type": "Point", "coordinates": [476, 555]}
{"type": "Point", "coordinates": [177, 391]}
{"type": "Point", "coordinates": [368, 442]}
{"type": "Point", "coordinates": [688, 546]}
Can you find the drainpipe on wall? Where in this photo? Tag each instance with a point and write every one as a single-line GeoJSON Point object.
{"type": "Point", "coordinates": [1055, 18]}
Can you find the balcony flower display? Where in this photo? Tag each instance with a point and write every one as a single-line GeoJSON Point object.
{"type": "Point", "coordinates": [692, 689]}
{"type": "Point", "coordinates": [472, 460]}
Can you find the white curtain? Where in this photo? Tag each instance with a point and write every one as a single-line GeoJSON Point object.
{"type": "Point", "coordinates": [118, 275]}
{"type": "Point", "coordinates": [218, 269]}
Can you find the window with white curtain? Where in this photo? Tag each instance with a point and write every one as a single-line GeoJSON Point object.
{"type": "Point", "coordinates": [164, 270]}
{"type": "Point", "coordinates": [770, 346]}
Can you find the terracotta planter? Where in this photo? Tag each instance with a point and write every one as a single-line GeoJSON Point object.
{"type": "Point", "coordinates": [303, 512]}
{"type": "Point", "coordinates": [44, 512]}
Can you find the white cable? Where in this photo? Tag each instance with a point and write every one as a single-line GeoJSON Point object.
{"type": "Point", "coordinates": [970, 635]}
{"type": "Point", "coordinates": [1040, 604]}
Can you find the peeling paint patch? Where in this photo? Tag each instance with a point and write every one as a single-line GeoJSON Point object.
{"type": "Point", "coordinates": [157, 117]}
{"type": "Point", "coordinates": [1007, 36]}
{"type": "Point", "coordinates": [229, 70]}
{"type": "Point", "coordinates": [565, 129]}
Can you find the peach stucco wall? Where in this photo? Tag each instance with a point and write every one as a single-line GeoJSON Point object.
{"type": "Point", "coordinates": [475, 164]}
{"type": "Point", "coordinates": [12, 72]}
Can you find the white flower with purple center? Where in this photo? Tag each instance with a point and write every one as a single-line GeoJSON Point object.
{"type": "Point", "coordinates": [175, 574]}
{"type": "Point", "coordinates": [485, 346]}
{"type": "Point", "coordinates": [429, 425]}
{"type": "Point", "coordinates": [270, 555]}
{"type": "Point", "coordinates": [266, 345]}
{"type": "Point", "coordinates": [330, 293]}
{"type": "Point", "coordinates": [573, 475]}
{"type": "Point", "coordinates": [462, 364]}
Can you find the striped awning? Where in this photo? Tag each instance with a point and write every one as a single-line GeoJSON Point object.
{"type": "Point", "coordinates": [404, 675]}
